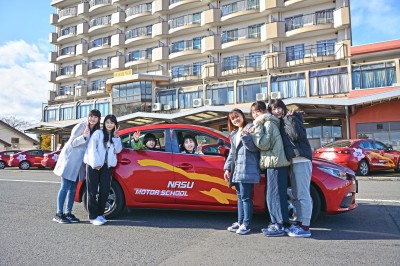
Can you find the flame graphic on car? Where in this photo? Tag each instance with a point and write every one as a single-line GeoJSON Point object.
{"type": "Point", "coordinates": [220, 196]}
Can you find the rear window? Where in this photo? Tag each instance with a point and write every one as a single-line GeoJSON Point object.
{"type": "Point", "coordinates": [338, 144]}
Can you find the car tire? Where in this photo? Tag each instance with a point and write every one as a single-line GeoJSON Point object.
{"type": "Point", "coordinates": [2, 164]}
{"type": "Point", "coordinates": [363, 168]}
{"type": "Point", "coordinates": [24, 165]}
{"type": "Point", "coordinates": [397, 170]}
{"type": "Point", "coordinates": [115, 202]}
{"type": "Point", "coordinates": [316, 204]}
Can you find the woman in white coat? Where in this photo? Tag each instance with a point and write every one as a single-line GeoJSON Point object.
{"type": "Point", "coordinates": [101, 157]}
{"type": "Point", "coordinates": [70, 166]}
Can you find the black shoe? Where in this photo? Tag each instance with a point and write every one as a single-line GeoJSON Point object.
{"type": "Point", "coordinates": [61, 219]}
{"type": "Point", "coordinates": [71, 218]}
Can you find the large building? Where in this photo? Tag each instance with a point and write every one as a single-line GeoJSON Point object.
{"type": "Point", "coordinates": [195, 59]}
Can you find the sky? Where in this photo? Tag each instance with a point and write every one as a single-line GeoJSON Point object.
{"type": "Point", "coordinates": [24, 48]}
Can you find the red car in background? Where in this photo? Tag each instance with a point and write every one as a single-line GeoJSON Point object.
{"type": "Point", "coordinates": [361, 155]}
{"type": "Point", "coordinates": [166, 178]}
{"type": "Point", "coordinates": [5, 157]}
{"type": "Point", "coordinates": [50, 159]}
{"type": "Point", "coordinates": [27, 159]}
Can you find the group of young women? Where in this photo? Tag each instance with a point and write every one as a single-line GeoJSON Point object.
{"type": "Point", "coordinates": [276, 142]}
{"type": "Point", "coordinates": [90, 152]}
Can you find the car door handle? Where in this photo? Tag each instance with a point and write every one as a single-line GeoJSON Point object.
{"type": "Point", "coordinates": [185, 166]}
{"type": "Point", "coordinates": [125, 161]}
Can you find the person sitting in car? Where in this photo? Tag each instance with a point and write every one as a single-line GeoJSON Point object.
{"type": "Point", "coordinates": [148, 143]}
{"type": "Point", "coordinates": [189, 145]}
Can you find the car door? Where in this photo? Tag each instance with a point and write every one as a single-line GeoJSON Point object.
{"type": "Point", "coordinates": [35, 157]}
{"type": "Point", "coordinates": [199, 177]}
{"type": "Point", "coordinates": [383, 159]}
{"type": "Point", "coordinates": [145, 174]}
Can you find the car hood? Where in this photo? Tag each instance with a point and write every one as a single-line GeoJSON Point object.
{"type": "Point", "coordinates": [326, 163]}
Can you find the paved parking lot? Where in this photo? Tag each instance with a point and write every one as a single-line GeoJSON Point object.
{"type": "Point", "coordinates": [369, 235]}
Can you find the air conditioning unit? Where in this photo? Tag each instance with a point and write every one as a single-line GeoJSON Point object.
{"type": "Point", "coordinates": [276, 95]}
{"type": "Point", "coordinates": [208, 102]}
{"type": "Point", "coordinates": [103, 88]}
{"type": "Point", "coordinates": [261, 96]}
{"type": "Point", "coordinates": [197, 102]}
{"type": "Point", "coordinates": [156, 107]}
{"type": "Point", "coordinates": [167, 107]}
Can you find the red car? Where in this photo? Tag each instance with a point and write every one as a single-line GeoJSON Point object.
{"type": "Point", "coordinates": [27, 159]}
{"type": "Point", "coordinates": [360, 155]}
{"type": "Point", "coordinates": [167, 178]}
{"type": "Point", "coordinates": [5, 157]}
{"type": "Point", "coordinates": [50, 159]}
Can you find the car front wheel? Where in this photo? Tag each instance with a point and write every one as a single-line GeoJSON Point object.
{"type": "Point", "coordinates": [115, 203]}
{"type": "Point", "coordinates": [397, 170]}
{"type": "Point", "coordinates": [363, 168]}
{"type": "Point", "coordinates": [316, 204]}
{"type": "Point", "coordinates": [2, 165]}
{"type": "Point", "coordinates": [24, 165]}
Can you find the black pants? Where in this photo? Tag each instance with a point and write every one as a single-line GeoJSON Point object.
{"type": "Point", "coordinates": [97, 181]}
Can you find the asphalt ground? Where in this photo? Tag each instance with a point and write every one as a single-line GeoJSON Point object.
{"type": "Point", "coordinates": [369, 235]}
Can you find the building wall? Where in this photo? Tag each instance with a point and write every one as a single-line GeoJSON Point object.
{"type": "Point", "coordinates": [24, 142]}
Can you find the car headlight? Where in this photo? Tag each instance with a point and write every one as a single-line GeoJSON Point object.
{"type": "Point", "coordinates": [333, 172]}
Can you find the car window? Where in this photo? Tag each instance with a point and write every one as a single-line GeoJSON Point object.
{"type": "Point", "coordinates": [366, 144]}
{"type": "Point", "coordinates": [338, 144]}
{"type": "Point", "coordinates": [33, 153]}
{"type": "Point", "coordinates": [129, 142]}
{"type": "Point", "coordinates": [380, 146]}
{"type": "Point", "coordinates": [209, 143]}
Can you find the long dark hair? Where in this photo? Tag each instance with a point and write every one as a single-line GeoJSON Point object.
{"type": "Point", "coordinates": [258, 106]}
{"type": "Point", "coordinates": [183, 143]}
{"type": "Point", "coordinates": [113, 119]}
{"type": "Point", "coordinates": [96, 113]}
{"type": "Point", "coordinates": [235, 112]}
{"type": "Point", "coordinates": [275, 103]}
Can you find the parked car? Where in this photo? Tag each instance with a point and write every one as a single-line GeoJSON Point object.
{"type": "Point", "coordinates": [27, 159]}
{"type": "Point", "coordinates": [167, 178]}
{"type": "Point", "coordinates": [50, 159]}
{"type": "Point", "coordinates": [5, 157]}
{"type": "Point", "coordinates": [361, 155]}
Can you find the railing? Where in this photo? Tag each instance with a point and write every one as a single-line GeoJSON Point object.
{"type": "Point", "coordinates": [106, 20]}
{"type": "Point", "coordinates": [236, 65]}
{"type": "Point", "coordinates": [185, 71]}
{"type": "Point", "coordinates": [93, 3]}
{"type": "Point", "coordinates": [139, 9]}
{"type": "Point", "coordinates": [137, 55]}
{"type": "Point", "coordinates": [138, 32]}
{"type": "Point", "coordinates": [70, 50]}
{"type": "Point", "coordinates": [185, 46]}
{"type": "Point", "coordinates": [320, 17]}
{"type": "Point", "coordinates": [239, 6]}
{"type": "Point", "coordinates": [67, 31]}
{"type": "Point", "coordinates": [100, 42]}
{"type": "Point", "coordinates": [185, 20]}
{"type": "Point", "coordinates": [100, 63]}
{"type": "Point", "coordinates": [65, 90]}
{"type": "Point", "coordinates": [69, 11]}
{"type": "Point", "coordinates": [98, 85]}
{"type": "Point", "coordinates": [244, 33]}
{"type": "Point", "coordinates": [67, 70]}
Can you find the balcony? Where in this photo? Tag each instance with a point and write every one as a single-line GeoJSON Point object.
{"type": "Point", "coordinates": [142, 12]}
{"type": "Point", "coordinates": [142, 34]}
{"type": "Point", "coordinates": [305, 25]}
{"type": "Point", "coordinates": [98, 46]}
{"type": "Point", "coordinates": [100, 24]}
{"type": "Point", "coordinates": [180, 5]}
{"type": "Point", "coordinates": [64, 93]}
{"type": "Point", "coordinates": [232, 40]}
{"type": "Point", "coordinates": [341, 17]}
{"type": "Point", "coordinates": [241, 65]}
{"type": "Point", "coordinates": [184, 24]}
{"type": "Point", "coordinates": [234, 11]}
{"type": "Point", "coordinates": [271, 6]}
{"type": "Point", "coordinates": [137, 58]}
{"type": "Point", "coordinates": [211, 17]}
{"type": "Point", "coordinates": [82, 49]}
{"type": "Point", "coordinates": [81, 90]}
{"type": "Point", "coordinates": [273, 32]}
{"type": "Point", "coordinates": [160, 30]}
{"type": "Point", "coordinates": [185, 48]}
{"type": "Point", "coordinates": [66, 54]}
{"type": "Point", "coordinates": [65, 73]}
{"type": "Point", "coordinates": [185, 73]}
{"type": "Point", "coordinates": [99, 66]}
{"type": "Point", "coordinates": [100, 6]}
{"type": "Point", "coordinates": [66, 35]}
{"type": "Point", "coordinates": [118, 18]}
{"type": "Point", "coordinates": [160, 7]}
{"type": "Point", "coordinates": [160, 54]}
{"type": "Point", "coordinates": [117, 62]}
{"type": "Point", "coordinates": [211, 44]}
{"type": "Point", "coordinates": [210, 71]}
{"type": "Point", "coordinates": [68, 15]}
{"type": "Point", "coordinates": [82, 69]}
{"type": "Point", "coordinates": [52, 57]}
{"type": "Point", "coordinates": [118, 40]}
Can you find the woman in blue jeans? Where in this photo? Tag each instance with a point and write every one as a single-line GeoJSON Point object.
{"type": "Point", "coordinates": [70, 166]}
{"type": "Point", "coordinates": [241, 169]}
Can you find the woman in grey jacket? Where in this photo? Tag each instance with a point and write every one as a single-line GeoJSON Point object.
{"type": "Point", "coordinates": [101, 157]}
{"type": "Point", "coordinates": [70, 166]}
{"type": "Point", "coordinates": [241, 169]}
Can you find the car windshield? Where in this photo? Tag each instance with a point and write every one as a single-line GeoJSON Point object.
{"type": "Point", "coordinates": [338, 144]}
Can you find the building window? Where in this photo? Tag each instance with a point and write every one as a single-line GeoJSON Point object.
{"type": "Point", "coordinates": [293, 23]}
{"type": "Point", "coordinates": [329, 81]}
{"type": "Point", "coordinates": [103, 107]}
{"type": "Point", "coordinates": [247, 89]}
{"type": "Point", "coordinates": [70, 50]}
{"type": "Point", "coordinates": [67, 113]}
{"type": "Point", "coordinates": [167, 97]}
{"type": "Point", "coordinates": [294, 52]}
{"type": "Point", "coordinates": [14, 140]}
{"type": "Point", "coordinates": [326, 47]}
{"type": "Point", "coordinates": [100, 63]}
{"type": "Point", "coordinates": [100, 42]}
{"type": "Point", "coordinates": [134, 91]}
{"type": "Point", "coordinates": [386, 132]}
{"type": "Point", "coordinates": [290, 86]}
{"type": "Point", "coordinates": [186, 97]}
{"type": "Point", "coordinates": [83, 109]}
{"type": "Point", "coordinates": [230, 62]}
{"type": "Point", "coordinates": [221, 93]}
{"type": "Point", "coordinates": [374, 75]}
{"type": "Point", "coordinates": [51, 114]}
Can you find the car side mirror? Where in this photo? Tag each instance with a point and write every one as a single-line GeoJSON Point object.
{"type": "Point", "coordinates": [389, 148]}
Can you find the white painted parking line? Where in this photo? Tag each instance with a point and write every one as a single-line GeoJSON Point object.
{"type": "Point", "coordinates": [379, 200]}
{"type": "Point", "coordinates": [30, 181]}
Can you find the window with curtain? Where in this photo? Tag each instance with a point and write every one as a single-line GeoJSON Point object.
{"type": "Point", "coordinates": [374, 75]}
{"type": "Point", "coordinates": [83, 109]}
{"type": "Point", "coordinates": [230, 62]}
{"type": "Point", "coordinates": [167, 97]}
{"type": "Point", "coordinates": [326, 47]}
{"type": "Point", "coordinates": [294, 52]}
{"type": "Point", "coordinates": [221, 93]}
{"type": "Point", "coordinates": [290, 86]}
{"type": "Point", "coordinates": [294, 22]}
{"type": "Point", "coordinates": [103, 106]}
{"type": "Point", "coordinates": [185, 98]}
{"type": "Point", "coordinates": [51, 114]}
{"type": "Point", "coordinates": [247, 89]}
{"type": "Point", "coordinates": [329, 81]}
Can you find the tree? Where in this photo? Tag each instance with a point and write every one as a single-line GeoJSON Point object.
{"type": "Point", "coordinates": [45, 142]}
{"type": "Point", "coordinates": [15, 122]}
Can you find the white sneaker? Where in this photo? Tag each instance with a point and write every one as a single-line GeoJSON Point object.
{"type": "Point", "coordinates": [97, 221]}
{"type": "Point", "coordinates": [242, 230]}
{"type": "Point", "coordinates": [102, 219]}
{"type": "Point", "coordinates": [234, 227]}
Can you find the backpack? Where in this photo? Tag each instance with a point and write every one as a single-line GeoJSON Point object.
{"type": "Point", "coordinates": [288, 145]}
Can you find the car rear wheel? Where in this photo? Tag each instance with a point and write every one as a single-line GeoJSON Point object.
{"type": "Point", "coordinates": [397, 170]}
{"type": "Point", "coordinates": [2, 165]}
{"type": "Point", "coordinates": [316, 202]}
{"type": "Point", "coordinates": [115, 203]}
{"type": "Point", "coordinates": [363, 168]}
{"type": "Point", "coordinates": [24, 165]}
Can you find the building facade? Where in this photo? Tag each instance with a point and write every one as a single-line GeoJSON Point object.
{"type": "Point", "coordinates": [123, 57]}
